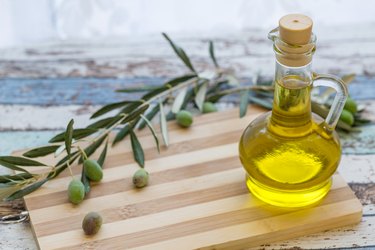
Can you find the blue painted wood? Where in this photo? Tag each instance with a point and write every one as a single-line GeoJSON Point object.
{"type": "Point", "coordinates": [359, 143]}
{"type": "Point", "coordinates": [69, 91]}
{"type": "Point", "coordinates": [353, 143]}
{"type": "Point", "coordinates": [11, 141]}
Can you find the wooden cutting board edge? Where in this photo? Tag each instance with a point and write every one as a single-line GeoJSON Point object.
{"type": "Point", "coordinates": [350, 219]}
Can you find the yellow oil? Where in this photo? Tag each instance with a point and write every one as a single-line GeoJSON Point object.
{"type": "Point", "coordinates": [287, 154]}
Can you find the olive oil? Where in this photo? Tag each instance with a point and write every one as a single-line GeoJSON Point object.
{"type": "Point", "coordinates": [287, 154]}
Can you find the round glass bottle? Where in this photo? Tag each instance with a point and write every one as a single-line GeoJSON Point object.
{"type": "Point", "coordinates": [290, 153]}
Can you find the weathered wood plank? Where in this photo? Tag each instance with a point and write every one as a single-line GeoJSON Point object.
{"type": "Point", "coordinates": [17, 236]}
{"type": "Point", "coordinates": [69, 91]}
{"type": "Point", "coordinates": [347, 237]}
{"type": "Point", "coordinates": [33, 118]}
{"type": "Point", "coordinates": [248, 53]}
{"type": "Point", "coordinates": [39, 118]}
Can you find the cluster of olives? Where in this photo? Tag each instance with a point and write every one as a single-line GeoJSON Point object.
{"type": "Point", "coordinates": [93, 171]}
{"type": "Point", "coordinates": [184, 118]}
{"type": "Point", "coordinates": [76, 192]}
{"type": "Point", "coordinates": [76, 189]}
{"type": "Point", "coordinates": [350, 109]}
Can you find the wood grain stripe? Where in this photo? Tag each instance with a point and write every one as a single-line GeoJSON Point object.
{"type": "Point", "coordinates": [147, 207]}
{"type": "Point", "coordinates": [154, 206]}
{"type": "Point", "coordinates": [184, 221]}
{"type": "Point", "coordinates": [190, 145]}
{"type": "Point", "coordinates": [175, 161]}
{"type": "Point", "coordinates": [126, 184]}
{"type": "Point", "coordinates": [132, 196]}
{"type": "Point", "coordinates": [181, 138]}
{"type": "Point", "coordinates": [165, 203]}
{"type": "Point", "coordinates": [257, 232]}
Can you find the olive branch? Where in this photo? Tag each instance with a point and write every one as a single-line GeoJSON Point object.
{"type": "Point", "coordinates": [193, 89]}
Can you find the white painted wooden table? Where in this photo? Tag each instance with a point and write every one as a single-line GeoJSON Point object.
{"type": "Point", "coordinates": [80, 76]}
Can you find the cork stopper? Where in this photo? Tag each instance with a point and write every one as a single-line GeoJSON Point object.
{"type": "Point", "coordinates": [295, 29]}
{"type": "Point", "coordinates": [296, 42]}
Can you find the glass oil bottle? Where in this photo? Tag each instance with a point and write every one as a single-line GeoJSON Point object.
{"type": "Point", "coordinates": [289, 153]}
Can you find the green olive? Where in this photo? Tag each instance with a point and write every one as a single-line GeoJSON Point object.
{"type": "Point", "coordinates": [76, 191]}
{"type": "Point", "coordinates": [347, 117]}
{"type": "Point", "coordinates": [91, 223]}
{"type": "Point", "coordinates": [140, 178]}
{"type": "Point", "coordinates": [351, 105]}
{"type": "Point", "coordinates": [209, 107]}
{"type": "Point", "coordinates": [184, 118]}
{"type": "Point", "coordinates": [93, 170]}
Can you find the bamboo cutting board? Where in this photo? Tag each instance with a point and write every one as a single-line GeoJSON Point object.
{"type": "Point", "coordinates": [196, 198]}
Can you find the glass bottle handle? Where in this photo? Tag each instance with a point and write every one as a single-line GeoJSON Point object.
{"type": "Point", "coordinates": [338, 103]}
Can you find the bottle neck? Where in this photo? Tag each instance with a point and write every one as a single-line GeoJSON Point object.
{"type": "Point", "coordinates": [291, 112]}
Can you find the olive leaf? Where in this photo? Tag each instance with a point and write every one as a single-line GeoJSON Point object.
{"type": "Point", "coordinates": [42, 151]}
{"type": "Point", "coordinates": [232, 80]}
{"type": "Point", "coordinates": [170, 116]}
{"type": "Point", "coordinates": [155, 92]}
{"type": "Point", "coordinates": [107, 108]}
{"type": "Point", "coordinates": [360, 121]}
{"type": "Point", "coordinates": [215, 98]}
{"type": "Point", "coordinates": [344, 126]}
{"type": "Point", "coordinates": [69, 136]}
{"type": "Point", "coordinates": [201, 95]}
{"type": "Point", "coordinates": [138, 153]}
{"type": "Point", "coordinates": [131, 107]}
{"type": "Point", "coordinates": [244, 101]}
{"type": "Point", "coordinates": [152, 131]}
{"type": "Point", "coordinates": [12, 166]}
{"type": "Point", "coordinates": [59, 150]}
{"type": "Point", "coordinates": [63, 164]}
{"type": "Point", "coordinates": [179, 100]}
{"type": "Point", "coordinates": [163, 125]}
{"type": "Point", "coordinates": [216, 87]}
{"type": "Point", "coordinates": [212, 54]}
{"type": "Point", "coordinates": [180, 53]}
{"type": "Point", "coordinates": [72, 157]}
{"type": "Point", "coordinates": [135, 114]}
{"type": "Point", "coordinates": [15, 177]}
{"type": "Point", "coordinates": [85, 181]}
{"type": "Point", "coordinates": [93, 147]}
{"type": "Point", "coordinates": [20, 161]}
{"type": "Point", "coordinates": [136, 89]}
{"type": "Point", "coordinates": [6, 189]}
{"type": "Point", "coordinates": [121, 134]}
{"type": "Point", "coordinates": [77, 134]}
{"type": "Point", "coordinates": [105, 123]}
{"type": "Point", "coordinates": [150, 115]}
{"type": "Point", "coordinates": [178, 80]}
{"type": "Point", "coordinates": [27, 190]}
{"type": "Point", "coordinates": [261, 102]}
{"type": "Point", "coordinates": [207, 75]}
{"type": "Point", "coordinates": [103, 155]}
{"type": "Point", "coordinates": [264, 93]}
{"type": "Point", "coordinates": [348, 78]}
{"type": "Point", "coordinates": [188, 97]}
